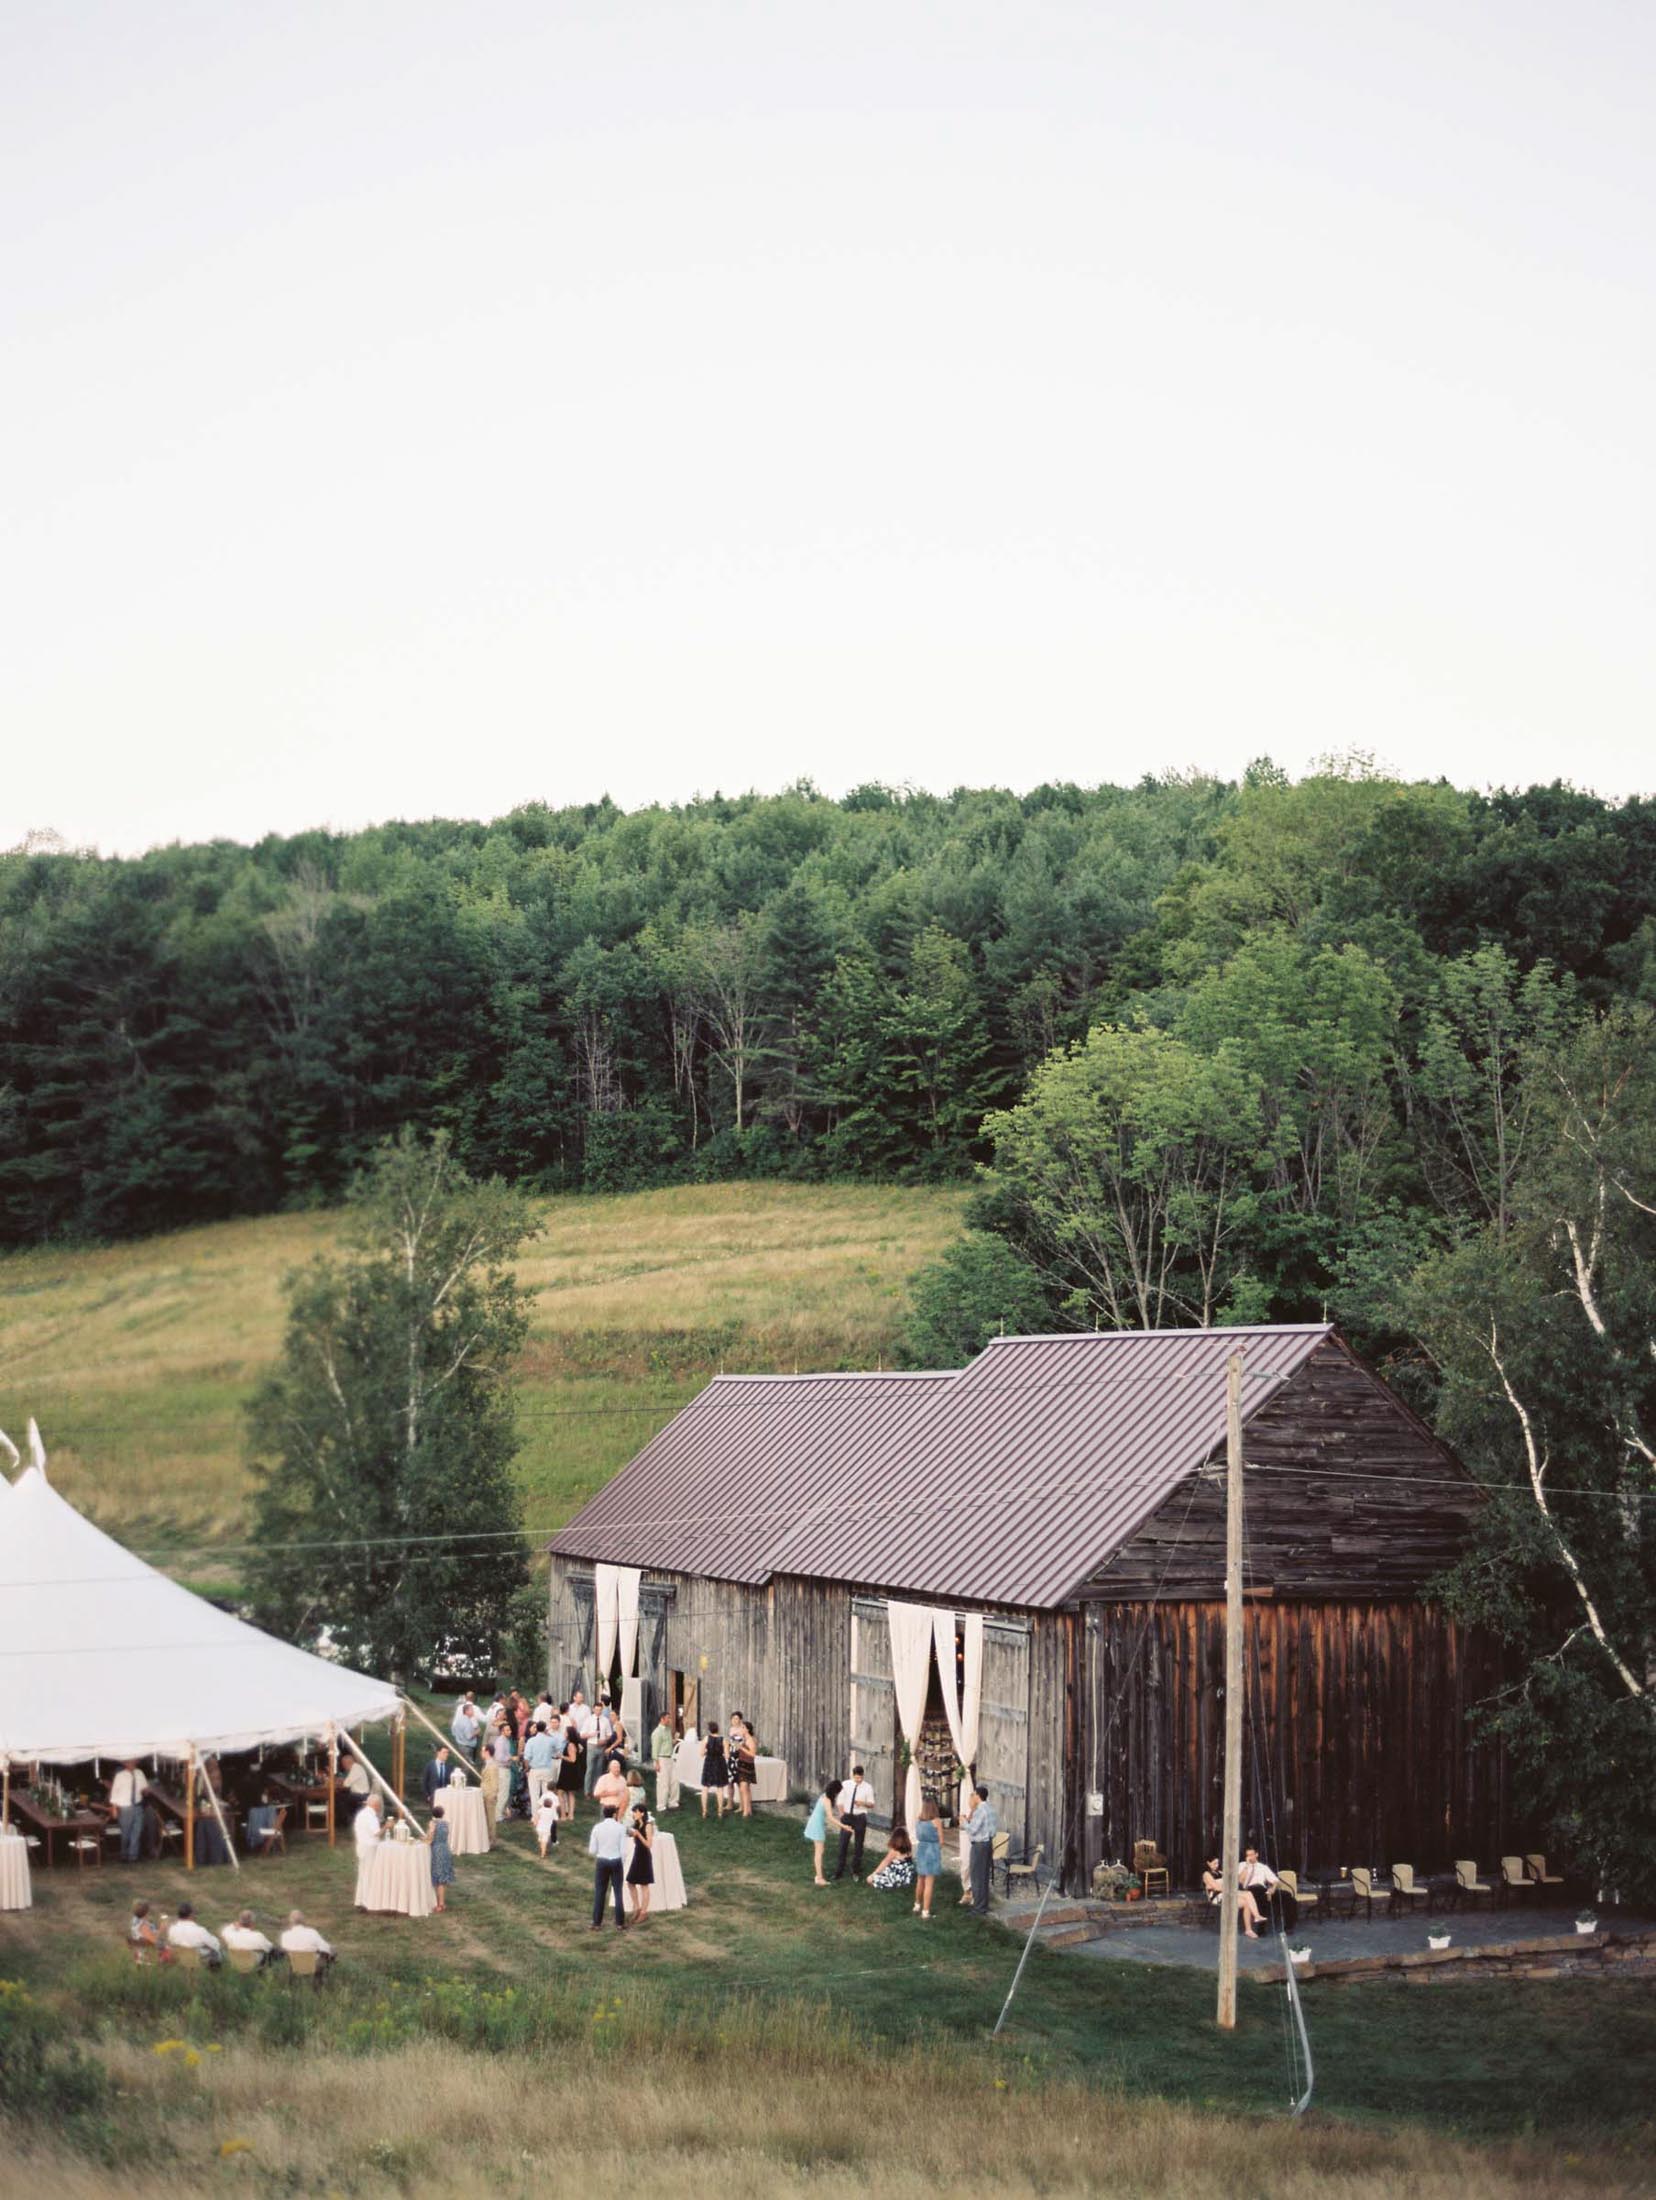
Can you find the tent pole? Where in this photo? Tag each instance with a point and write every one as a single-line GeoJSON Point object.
{"type": "Point", "coordinates": [399, 1754]}
{"type": "Point", "coordinates": [5, 1806]}
{"type": "Point", "coordinates": [373, 1775]}
{"type": "Point", "coordinates": [219, 1815]}
{"type": "Point", "coordinates": [447, 1740]}
{"type": "Point", "coordinates": [333, 1778]}
{"type": "Point", "coordinates": [189, 1810]}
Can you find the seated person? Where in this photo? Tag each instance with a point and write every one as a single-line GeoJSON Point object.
{"type": "Point", "coordinates": [1247, 1908]}
{"type": "Point", "coordinates": [245, 1936]}
{"type": "Point", "coordinates": [896, 1867]}
{"type": "Point", "coordinates": [143, 1936]}
{"type": "Point", "coordinates": [303, 1939]}
{"type": "Point", "coordinates": [184, 1932]}
{"type": "Point", "coordinates": [1275, 1902]}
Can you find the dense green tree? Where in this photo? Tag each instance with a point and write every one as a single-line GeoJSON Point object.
{"type": "Point", "coordinates": [382, 1440]}
{"type": "Point", "coordinates": [977, 1289]}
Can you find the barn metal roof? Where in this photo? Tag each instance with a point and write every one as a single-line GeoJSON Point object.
{"type": "Point", "coordinates": [748, 1461]}
{"type": "Point", "coordinates": [1008, 1483]}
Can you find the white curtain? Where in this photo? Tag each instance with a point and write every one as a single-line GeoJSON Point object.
{"type": "Point", "coordinates": [627, 1580]}
{"type": "Point", "coordinates": [607, 1581]}
{"type": "Point", "coordinates": [911, 1649]}
{"type": "Point", "coordinates": [965, 1711]}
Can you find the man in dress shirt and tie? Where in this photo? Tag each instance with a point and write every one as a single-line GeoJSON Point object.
{"type": "Point", "coordinates": [981, 1829]}
{"type": "Point", "coordinates": [126, 1799]}
{"type": "Point", "coordinates": [857, 1799]}
{"type": "Point", "coordinates": [607, 1846]}
{"type": "Point", "coordinates": [436, 1776]}
{"type": "Point", "coordinates": [1268, 1891]}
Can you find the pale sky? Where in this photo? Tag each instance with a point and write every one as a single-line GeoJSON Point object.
{"type": "Point", "coordinates": [419, 409]}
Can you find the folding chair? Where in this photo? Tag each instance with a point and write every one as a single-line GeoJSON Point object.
{"type": "Point", "coordinates": [244, 1960]}
{"type": "Point", "coordinates": [187, 1959]}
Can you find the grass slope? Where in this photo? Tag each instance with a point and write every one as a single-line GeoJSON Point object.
{"type": "Point", "coordinates": [779, 2032]}
{"type": "Point", "coordinates": [138, 1358]}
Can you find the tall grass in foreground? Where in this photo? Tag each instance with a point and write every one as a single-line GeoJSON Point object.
{"type": "Point", "coordinates": [441, 2084]}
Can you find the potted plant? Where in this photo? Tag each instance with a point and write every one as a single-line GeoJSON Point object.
{"type": "Point", "coordinates": [1301, 1954]}
{"type": "Point", "coordinates": [1586, 1922]}
{"type": "Point", "coordinates": [1437, 1937]}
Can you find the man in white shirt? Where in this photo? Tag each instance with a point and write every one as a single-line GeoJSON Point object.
{"type": "Point", "coordinates": [126, 1799]}
{"type": "Point", "coordinates": [857, 1800]}
{"type": "Point", "coordinates": [466, 1725]}
{"type": "Point", "coordinates": [607, 1846]}
{"type": "Point", "coordinates": [246, 1936]}
{"type": "Point", "coordinates": [367, 1828]}
{"type": "Point", "coordinates": [1268, 1890]}
{"type": "Point", "coordinates": [303, 1939]}
{"type": "Point", "coordinates": [184, 1932]}
{"type": "Point", "coordinates": [357, 1781]}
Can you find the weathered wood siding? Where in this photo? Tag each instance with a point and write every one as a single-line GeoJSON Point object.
{"type": "Point", "coordinates": [1371, 1506]}
{"type": "Point", "coordinates": [1357, 1748]}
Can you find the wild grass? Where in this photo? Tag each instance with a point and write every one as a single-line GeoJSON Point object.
{"type": "Point", "coordinates": [138, 1359]}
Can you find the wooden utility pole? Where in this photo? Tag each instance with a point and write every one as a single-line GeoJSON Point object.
{"type": "Point", "coordinates": [1230, 1849]}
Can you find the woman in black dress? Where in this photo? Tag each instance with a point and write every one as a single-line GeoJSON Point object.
{"type": "Point", "coordinates": [641, 1871]}
{"type": "Point", "coordinates": [569, 1767]}
{"type": "Point", "coordinates": [715, 1768]}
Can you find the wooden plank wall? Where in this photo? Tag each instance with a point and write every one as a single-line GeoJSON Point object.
{"type": "Point", "coordinates": [1356, 1727]}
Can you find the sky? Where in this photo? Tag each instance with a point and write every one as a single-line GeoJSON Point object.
{"type": "Point", "coordinates": [416, 410]}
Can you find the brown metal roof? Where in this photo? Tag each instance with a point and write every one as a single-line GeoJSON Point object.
{"type": "Point", "coordinates": [750, 1460]}
{"type": "Point", "coordinates": [1045, 1456]}
{"type": "Point", "coordinates": [1009, 1483]}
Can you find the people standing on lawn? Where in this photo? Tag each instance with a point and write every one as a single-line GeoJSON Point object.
{"type": "Point", "coordinates": [547, 1814]}
{"type": "Point", "coordinates": [366, 1828]}
{"type": "Point", "coordinates": [641, 1871]}
{"type": "Point", "coordinates": [715, 1772]}
{"type": "Point", "coordinates": [607, 1846]}
{"type": "Point", "coordinates": [611, 1790]}
{"type": "Point", "coordinates": [981, 1829]}
{"type": "Point", "coordinates": [504, 1752]}
{"type": "Point", "coordinates": [540, 1761]}
{"type": "Point", "coordinates": [741, 1754]}
{"type": "Point", "coordinates": [442, 1856]}
{"type": "Point", "coordinates": [466, 1726]}
{"type": "Point", "coordinates": [858, 1800]}
{"type": "Point", "coordinates": [569, 1769]}
{"type": "Point", "coordinates": [928, 1855]}
{"type": "Point", "coordinates": [664, 1762]}
{"type": "Point", "coordinates": [824, 1813]}
{"type": "Point", "coordinates": [126, 1800]}
{"type": "Point", "coordinates": [437, 1775]}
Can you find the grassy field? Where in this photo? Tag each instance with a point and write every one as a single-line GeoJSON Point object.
{"type": "Point", "coordinates": [137, 1359]}
{"type": "Point", "coordinates": [774, 2036]}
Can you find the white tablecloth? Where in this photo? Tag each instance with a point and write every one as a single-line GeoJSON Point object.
{"type": "Point", "coordinates": [688, 1758]}
{"type": "Point", "coordinates": [15, 1891]}
{"type": "Point", "coordinates": [668, 1892]}
{"type": "Point", "coordinates": [398, 1879]}
{"type": "Point", "coordinates": [466, 1818]}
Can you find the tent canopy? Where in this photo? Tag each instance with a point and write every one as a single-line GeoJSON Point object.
{"type": "Point", "coordinates": [101, 1656]}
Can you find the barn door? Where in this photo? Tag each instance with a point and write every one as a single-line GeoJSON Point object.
{"type": "Point", "coordinates": [1003, 1727]}
{"type": "Point", "coordinates": [873, 1704]}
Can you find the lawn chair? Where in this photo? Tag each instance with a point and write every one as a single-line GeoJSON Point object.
{"type": "Point", "coordinates": [244, 1960]}
{"type": "Point", "coordinates": [1467, 1881]}
{"type": "Point", "coordinates": [1404, 1893]}
{"type": "Point", "coordinates": [1362, 1889]}
{"type": "Point", "coordinates": [1307, 1901]}
{"type": "Point", "coordinates": [1027, 1873]}
{"type": "Point", "coordinates": [1539, 1873]}
{"type": "Point", "coordinates": [188, 1959]}
{"type": "Point", "coordinates": [308, 1963]}
{"type": "Point", "coordinates": [1512, 1878]}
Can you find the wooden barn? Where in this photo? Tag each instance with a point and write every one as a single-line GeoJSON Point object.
{"type": "Point", "coordinates": [1020, 1566]}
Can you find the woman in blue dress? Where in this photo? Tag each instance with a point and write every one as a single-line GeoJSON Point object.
{"type": "Point", "coordinates": [823, 1815]}
{"type": "Point", "coordinates": [442, 1856]}
{"type": "Point", "coordinates": [928, 1854]}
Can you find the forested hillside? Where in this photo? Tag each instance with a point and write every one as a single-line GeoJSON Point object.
{"type": "Point", "coordinates": [767, 985]}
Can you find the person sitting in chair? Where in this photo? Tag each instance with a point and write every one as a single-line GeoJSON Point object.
{"type": "Point", "coordinates": [1247, 1907]}
{"type": "Point", "coordinates": [1268, 1891]}
{"type": "Point", "coordinates": [303, 1939]}
{"type": "Point", "coordinates": [185, 1932]}
{"type": "Point", "coordinates": [246, 1937]}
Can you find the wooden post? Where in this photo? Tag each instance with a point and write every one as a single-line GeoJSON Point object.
{"type": "Point", "coordinates": [399, 1753]}
{"type": "Point", "coordinates": [1230, 1844]}
{"type": "Point", "coordinates": [333, 1775]}
{"type": "Point", "coordinates": [189, 1811]}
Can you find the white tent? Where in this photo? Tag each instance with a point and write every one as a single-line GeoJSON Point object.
{"type": "Point", "coordinates": [101, 1656]}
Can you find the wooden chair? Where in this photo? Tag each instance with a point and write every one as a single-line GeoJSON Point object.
{"type": "Point", "coordinates": [1027, 1874]}
{"type": "Point", "coordinates": [85, 1845]}
{"type": "Point", "coordinates": [244, 1960]}
{"type": "Point", "coordinates": [1467, 1881]}
{"type": "Point", "coordinates": [1151, 1867]}
{"type": "Point", "coordinates": [276, 1836]}
{"type": "Point", "coordinates": [1512, 1878]}
{"type": "Point", "coordinates": [1539, 1873]}
{"type": "Point", "coordinates": [1404, 1893]}
{"type": "Point", "coordinates": [1362, 1889]}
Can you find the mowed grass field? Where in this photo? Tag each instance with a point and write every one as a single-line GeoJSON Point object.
{"type": "Point", "coordinates": [775, 2037]}
{"type": "Point", "coordinates": [137, 1359]}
